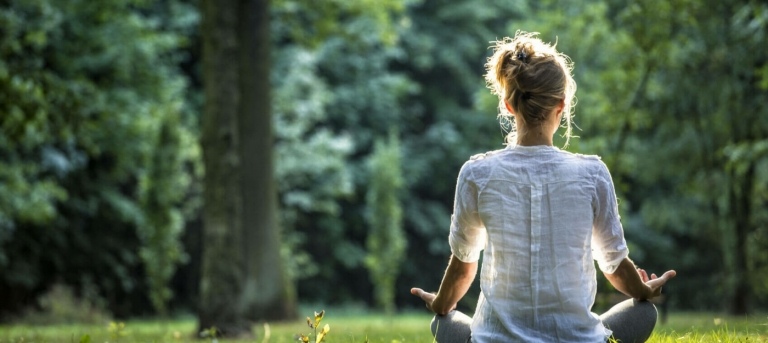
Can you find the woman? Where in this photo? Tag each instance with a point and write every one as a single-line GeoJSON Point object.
{"type": "Point", "coordinates": [541, 215]}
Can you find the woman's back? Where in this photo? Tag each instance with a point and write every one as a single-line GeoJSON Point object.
{"type": "Point", "coordinates": [538, 205]}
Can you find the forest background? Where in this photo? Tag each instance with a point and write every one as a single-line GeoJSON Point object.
{"type": "Point", "coordinates": [101, 160]}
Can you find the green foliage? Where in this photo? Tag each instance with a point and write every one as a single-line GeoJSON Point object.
{"type": "Point", "coordinates": [670, 95]}
{"type": "Point", "coordinates": [310, 158]}
{"type": "Point", "coordinates": [333, 93]}
{"type": "Point", "coordinates": [424, 84]}
{"type": "Point", "coordinates": [700, 104]}
{"type": "Point", "coordinates": [60, 305]}
{"type": "Point", "coordinates": [100, 169]}
{"type": "Point", "coordinates": [309, 23]}
{"type": "Point", "coordinates": [386, 240]}
{"type": "Point", "coordinates": [161, 198]}
{"type": "Point", "coordinates": [92, 143]}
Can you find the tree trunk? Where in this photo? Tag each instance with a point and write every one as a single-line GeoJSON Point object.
{"type": "Point", "coordinates": [268, 294]}
{"type": "Point", "coordinates": [741, 210]}
{"type": "Point", "coordinates": [242, 279]}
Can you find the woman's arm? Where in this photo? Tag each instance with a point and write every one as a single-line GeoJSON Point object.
{"type": "Point", "coordinates": [635, 282]}
{"type": "Point", "coordinates": [456, 282]}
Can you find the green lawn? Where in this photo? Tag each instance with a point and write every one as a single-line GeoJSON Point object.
{"type": "Point", "coordinates": [355, 327]}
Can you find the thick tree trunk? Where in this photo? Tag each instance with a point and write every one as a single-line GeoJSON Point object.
{"type": "Point", "coordinates": [242, 279]}
{"type": "Point", "coordinates": [267, 293]}
{"type": "Point", "coordinates": [221, 276]}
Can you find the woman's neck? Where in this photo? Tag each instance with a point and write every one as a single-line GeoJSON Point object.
{"type": "Point", "coordinates": [534, 137]}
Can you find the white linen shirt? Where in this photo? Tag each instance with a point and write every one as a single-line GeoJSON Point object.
{"type": "Point", "coordinates": [542, 215]}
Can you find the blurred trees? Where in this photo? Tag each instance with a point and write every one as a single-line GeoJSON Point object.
{"type": "Point", "coordinates": [335, 96]}
{"type": "Point", "coordinates": [97, 153]}
{"type": "Point", "coordinates": [705, 105]}
{"type": "Point", "coordinates": [671, 95]}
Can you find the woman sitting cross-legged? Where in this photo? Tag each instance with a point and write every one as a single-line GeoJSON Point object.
{"type": "Point", "coordinates": [540, 216]}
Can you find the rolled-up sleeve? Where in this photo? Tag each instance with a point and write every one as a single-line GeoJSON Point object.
{"type": "Point", "coordinates": [468, 235]}
{"type": "Point", "coordinates": [609, 247]}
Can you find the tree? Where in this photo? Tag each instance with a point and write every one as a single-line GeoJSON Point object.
{"type": "Point", "coordinates": [386, 240]}
{"type": "Point", "coordinates": [678, 120]}
{"type": "Point", "coordinates": [333, 95]}
{"type": "Point", "coordinates": [242, 276]}
{"type": "Point", "coordinates": [91, 132]}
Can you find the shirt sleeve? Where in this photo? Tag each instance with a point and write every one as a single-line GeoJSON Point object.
{"type": "Point", "coordinates": [468, 236]}
{"type": "Point", "coordinates": [609, 247]}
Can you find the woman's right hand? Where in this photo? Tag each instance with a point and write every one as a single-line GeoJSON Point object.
{"type": "Point", "coordinates": [655, 282]}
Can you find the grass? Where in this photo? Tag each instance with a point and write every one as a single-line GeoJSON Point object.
{"type": "Point", "coordinates": [708, 327]}
{"type": "Point", "coordinates": [354, 327]}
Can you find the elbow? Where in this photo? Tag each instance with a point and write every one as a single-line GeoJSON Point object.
{"type": "Point", "coordinates": [442, 308]}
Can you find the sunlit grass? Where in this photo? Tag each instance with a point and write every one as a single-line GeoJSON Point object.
{"type": "Point", "coordinates": [356, 326]}
{"type": "Point", "coordinates": [708, 327]}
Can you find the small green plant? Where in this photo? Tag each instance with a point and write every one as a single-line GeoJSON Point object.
{"type": "Point", "coordinates": [117, 330]}
{"type": "Point", "coordinates": [319, 336]}
{"type": "Point", "coordinates": [211, 333]}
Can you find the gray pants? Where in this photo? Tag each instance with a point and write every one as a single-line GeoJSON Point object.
{"type": "Point", "coordinates": [631, 321]}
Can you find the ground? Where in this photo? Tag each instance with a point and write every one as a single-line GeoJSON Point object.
{"type": "Point", "coordinates": [358, 325]}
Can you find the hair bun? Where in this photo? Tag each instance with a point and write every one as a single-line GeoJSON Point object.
{"type": "Point", "coordinates": [532, 79]}
{"type": "Point", "coordinates": [524, 52]}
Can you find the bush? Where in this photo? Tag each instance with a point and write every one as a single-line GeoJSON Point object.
{"type": "Point", "coordinates": [60, 305]}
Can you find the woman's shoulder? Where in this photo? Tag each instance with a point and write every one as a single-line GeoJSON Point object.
{"type": "Point", "coordinates": [480, 165]}
{"type": "Point", "coordinates": [587, 158]}
{"type": "Point", "coordinates": [590, 164]}
{"type": "Point", "coordinates": [484, 155]}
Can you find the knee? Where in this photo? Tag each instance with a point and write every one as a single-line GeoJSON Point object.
{"type": "Point", "coordinates": [647, 309]}
{"type": "Point", "coordinates": [439, 322]}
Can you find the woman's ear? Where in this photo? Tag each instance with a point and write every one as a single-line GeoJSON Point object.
{"type": "Point", "coordinates": [509, 107]}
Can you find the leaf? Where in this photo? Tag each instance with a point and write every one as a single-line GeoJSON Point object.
{"type": "Point", "coordinates": [319, 317]}
{"type": "Point", "coordinates": [321, 335]}
{"type": "Point", "coordinates": [85, 339]}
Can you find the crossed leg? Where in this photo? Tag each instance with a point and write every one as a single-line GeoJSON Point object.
{"type": "Point", "coordinates": [631, 321]}
{"type": "Point", "coordinates": [452, 328]}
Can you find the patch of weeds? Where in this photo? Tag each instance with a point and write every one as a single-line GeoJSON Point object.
{"type": "Point", "coordinates": [60, 305]}
{"type": "Point", "coordinates": [319, 336]}
{"type": "Point", "coordinates": [212, 333]}
{"type": "Point", "coordinates": [117, 331]}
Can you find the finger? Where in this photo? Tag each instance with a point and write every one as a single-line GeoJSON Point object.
{"type": "Point", "coordinates": [643, 275]}
{"type": "Point", "coordinates": [653, 276]}
{"type": "Point", "coordinates": [669, 274]}
{"type": "Point", "coordinates": [418, 292]}
{"type": "Point", "coordinates": [657, 282]}
{"type": "Point", "coordinates": [426, 296]}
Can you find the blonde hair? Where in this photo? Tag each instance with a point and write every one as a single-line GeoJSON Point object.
{"type": "Point", "coordinates": [533, 77]}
